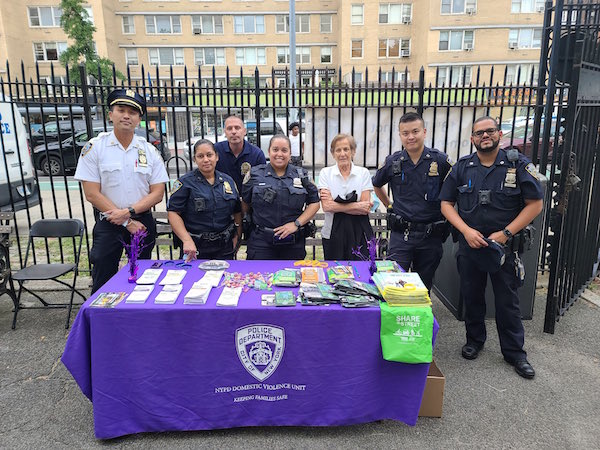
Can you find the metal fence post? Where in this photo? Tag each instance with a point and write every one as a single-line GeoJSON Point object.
{"type": "Point", "coordinates": [420, 107]}
{"type": "Point", "coordinates": [86, 104]}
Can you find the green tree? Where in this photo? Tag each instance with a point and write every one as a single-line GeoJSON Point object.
{"type": "Point", "coordinates": [75, 21]}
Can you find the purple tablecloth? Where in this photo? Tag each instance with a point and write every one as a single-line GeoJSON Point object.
{"type": "Point", "coordinates": [155, 367]}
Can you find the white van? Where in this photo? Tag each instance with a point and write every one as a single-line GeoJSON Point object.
{"type": "Point", "coordinates": [20, 182]}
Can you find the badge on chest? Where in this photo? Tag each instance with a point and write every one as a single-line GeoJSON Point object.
{"type": "Point", "coordinates": [227, 187]}
{"type": "Point", "coordinates": [142, 159]}
{"type": "Point", "coordinates": [297, 182]}
{"type": "Point", "coordinates": [510, 180]}
{"type": "Point", "coordinates": [433, 169]}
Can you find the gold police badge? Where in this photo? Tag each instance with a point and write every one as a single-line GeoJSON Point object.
{"type": "Point", "coordinates": [511, 178]}
{"type": "Point", "coordinates": [142, 159]}
{"type": "Point", "coordinates": [130, 93]}
{"type": "Point", "coordinates": [227, 187]}
{"type": "Point", "coordinates": [433, 169]}
{"type": "Point", "coordinates": [245, 168]}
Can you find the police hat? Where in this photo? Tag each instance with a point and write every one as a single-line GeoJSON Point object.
{"type": "Point", "coordinates": [489, 259]}
{"type": "Point", "coordinates": [127, 97]}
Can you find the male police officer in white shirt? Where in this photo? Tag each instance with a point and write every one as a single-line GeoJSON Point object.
{"type": "Point", "coordinates": [123, 177]}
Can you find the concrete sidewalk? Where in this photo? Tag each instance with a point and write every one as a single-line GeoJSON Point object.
{"type": "Point", "coordinates": [486, 405]}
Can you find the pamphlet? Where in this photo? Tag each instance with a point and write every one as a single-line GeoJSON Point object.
{"type": "Point", "coordinates": [198, 294]}
{"type": "Point", "coordinates": [313, 275]}
{"type": "Point", "coordinates": [285, 298]}
{"type": "Point", "coordinates": [340, 272]}
{"type": "Point", "coordinates": [150, 276]}
{"type": "Point", "coordinates": [267, 300]}
{"type": "Point", "coordinates": [140, 293]}
{"type": "Point", "coordinates": [173, 276]}
{"type": "Point", "coordinates": [107, 299]}
{"type": "Point", "coordinates": [229, 296]}
{"type": "Point", "coordinates": [169, 294]}
{"type": "Point", "coordinates": [212, 277]}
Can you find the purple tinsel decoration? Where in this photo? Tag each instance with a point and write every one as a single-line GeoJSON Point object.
{"type": "Point", "coordinates": [133, 250]}
{"type": "Point", "coordinates": [372, 248]}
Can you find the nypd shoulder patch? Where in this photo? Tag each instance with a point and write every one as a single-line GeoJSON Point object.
{"type": "Point", "coordinates": [533, 171]}
{"type": "Point", "coordinates": [450, 161]}
{"type": "Point", "coordinates": [176, 185]}
{"type": "Point", "coordinates": [86, 148]}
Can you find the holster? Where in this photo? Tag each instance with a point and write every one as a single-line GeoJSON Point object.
{"type": "Point", "coordinates": [523, 240]}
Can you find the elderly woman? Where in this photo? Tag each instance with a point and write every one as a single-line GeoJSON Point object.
{"type": "Point", "coordinates": [205, 210]}
{"type": "Point", "coordinates": [283, 201]}
{"type": "Point", "coordinates": [346, 198]}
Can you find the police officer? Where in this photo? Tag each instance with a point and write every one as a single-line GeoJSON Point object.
{"type": "Point", "coordinates": [237, 155]}
{"type": "Point", "coordinates": [498, 194]}
{"type": "Point", "coordinates": [415, 175]}
{"type": "Point", "coordinates": [204, 208]}
{"type": "Point", "coordinates": [278, 193]}
{"type": "Point", "coordinates": [123, 177]}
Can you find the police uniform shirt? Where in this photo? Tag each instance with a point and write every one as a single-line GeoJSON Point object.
{"type": "Point", "coordinates": [202, 206]}
{"type": "Point", "coordinates": [508, 185]}
{"type": "Point", "coordinates": [330, 178]}
{"type": "Point", "coordinates": [237, 168]}
{"type": "Point", "coordinates": [277, 200]}
{"type": "Point", "coordinates": [125, 175]}
{"type": "Point", "coordinates": [415, 188]}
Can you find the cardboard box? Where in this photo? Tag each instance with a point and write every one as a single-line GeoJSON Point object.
{"type": "Point", "coordinates": [433, 397]}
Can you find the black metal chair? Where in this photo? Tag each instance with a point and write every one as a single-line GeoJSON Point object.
{"type": "Point", "coordinates": [50, 229]}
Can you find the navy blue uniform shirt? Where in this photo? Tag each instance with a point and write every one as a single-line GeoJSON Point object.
{"type": "Point", "coordinates": [415, 188]}
{"type": "Point", "coordinates": [277, 200]}
{"type": "Point", "coordinates": [202, 206]}
{"type": "Point", "coordinates": [236, 168]}
{"type": "Point", "coordinates": [509, 184]}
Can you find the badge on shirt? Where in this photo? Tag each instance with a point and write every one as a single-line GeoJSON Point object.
{"type": "Point", "coordinates": [533, 171]}
{"type": "Point", "coordinates": [246, 178]}
{"type": "Point", "coordinates": [433, 169]}
{"type": "Point", "coordinates": [227, 187]}
{"type": "Point", "coordinates": [176, 185]}
{"type": "Point", "coordinates": [511, 178]}
{"type": "Point", "coordinates": [142, 160]}
{"type": "Point", "coordinates": [245, 168]}
{"type": "Point", "coordinates": [297, 182]}
{"type": "Point", "coordinates": [86, 149]}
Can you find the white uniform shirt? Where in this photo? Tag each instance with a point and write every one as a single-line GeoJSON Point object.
{"type": "Point", "coordinates": [295, 143]}
{"type": "Point", "coordinates": [330, 178]}
{"type": "Point", "coordinates": [123, 179]}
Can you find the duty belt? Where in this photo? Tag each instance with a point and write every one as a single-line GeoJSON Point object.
{"type": "Point", "coordinates": [214, 236]}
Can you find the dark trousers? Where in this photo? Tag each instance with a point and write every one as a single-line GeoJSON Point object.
{"type": "Point", "coordinates": [211, 250]}
{"type": "Point", "coordinates": [349, 233]}
{"type": "Point", "coordinates": [260, 246]}
{"type": "Point", "coordinates": [422, 252]}
{"type": "Point", "coordinates": [506, 299]}
{"type": "Point", "coordinates": [107, 247]}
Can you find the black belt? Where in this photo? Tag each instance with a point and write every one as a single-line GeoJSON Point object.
{"type": "Point", "coordinates": [214, 235]}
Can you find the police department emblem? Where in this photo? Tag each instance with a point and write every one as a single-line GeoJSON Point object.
{"type": "Point", "coordinates": [245, 168]}
{"type": "Point", "coordinates": [260, 349]}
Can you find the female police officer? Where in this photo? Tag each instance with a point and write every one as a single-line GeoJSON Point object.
{"type": "Point", "coordinates": [277, 192]}
{"type": "Point", "coordinates": [204, 208]}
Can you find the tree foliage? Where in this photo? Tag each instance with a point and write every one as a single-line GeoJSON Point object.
{"type": "Point", "coordinates": [75, 22]}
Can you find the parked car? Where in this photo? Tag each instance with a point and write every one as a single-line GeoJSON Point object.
{"type": "Point", "coordinates": [516, 139]}
{"type": "Point", "coordinates": [53, 131]}
{"type": "Point", "coordinates": [47, 157]}
{"type": "Point", "coordinates": [19, 183]}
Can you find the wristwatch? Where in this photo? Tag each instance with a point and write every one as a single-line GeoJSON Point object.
{"type": "Point", "coordinates": [131, 211]}
{"type": "Point", "coordinates": [507, 233]}
{"type": "Point", "coordinates": [297, 223]}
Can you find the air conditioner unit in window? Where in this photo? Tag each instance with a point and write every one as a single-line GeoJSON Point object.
{"type": "Point", "coordinates": [405, 53]}
{"type": "Point", "coordinates": [513, 45]}
{"type": "Point", "coordinates": [470, 11]}
{"type": "Point", "coordinates": [196, 31]}
{"type": "Point", "coordinates": [468, 46]}
{"type": "Point", "coordinates": [540, 9]}
{"type": "Point", "coordinates": [406, 20]}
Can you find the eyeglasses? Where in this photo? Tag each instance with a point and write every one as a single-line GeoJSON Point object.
{"type": "Point", "coordinates": [489, 131]}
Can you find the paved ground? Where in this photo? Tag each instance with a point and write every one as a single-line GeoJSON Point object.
{"type": "Point", "coordinates": [486, 404]}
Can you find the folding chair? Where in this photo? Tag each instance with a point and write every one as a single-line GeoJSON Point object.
{"type": "Point", "coordinates": [45, 229]}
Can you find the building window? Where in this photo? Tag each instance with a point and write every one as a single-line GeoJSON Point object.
{"type": "Point", "coordinates": [394, 48]}
{"type": "Point", "coordinates": [131, 57]}
{"type": "Point", "coordinates": [282, 23]}
{"type": "Point", "coordinates": [250, 56]}
{"type": "Point", "coordinates": [249, 24]}
{"type": "Point", "coordinates": [522, 73]}
{"type": "Point", "coordinates": [207, 24]}
{"type": "Point", "coordinates": [44, 16]}
{"type": "Point", "coordinates": [357, 14]}
{"type": "Point", "coordinates": [165, 56]}
{"type": "Point", "coordinates": [357, 48]}
{"type": "Point", "coordinates": [525, 38]}
{"type": "Point", "coordinates": [527, 6]}
{"type": "Point", "coordinates": [326, 23]}
{"type": "Point", "coordinates": [395, 12]}
{"type": "Point", "coordinates": [459, 6]}
{"type": "Point", "coordinates": [163, 25]}
{"type": "Point", "coordinates": [90, 13]}
{"type": "Point", "coordinates": [128, 25]}
{"type": "Point", "coordinates": [326, 55]}
{"type": "Point", "coordinates": [357, 78]}
{"type": "Point", "coordinates": [454, 75]}
{"type": "Point", "coordinates": [48, 51]}
{"type": "Point", "coordinates": [394, 78]}
{"type": "Point", "coordinates": [302, 55]}
{"type": "Point", "coordinates": [209, 56]}
{"type": "Point", "coordinates": [456, 40]}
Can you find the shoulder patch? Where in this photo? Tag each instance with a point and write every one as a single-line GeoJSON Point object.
{"type": "Point", "coordinates": [86, 148]}
{"type": "Point", "coordinates": [449, 171]}
{"type": "Point", "coordinates": [533, 171]}
{"type": "Point", "coordinates": [450, 161]}
{"type": "Point", "coordinates": [246, 177]}
{"type": "Point", "coordinates": [176, 185]}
